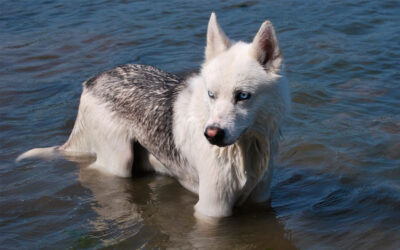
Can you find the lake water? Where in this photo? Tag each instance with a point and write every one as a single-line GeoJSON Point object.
{"type": "Point", "coordinates": [337, 179]}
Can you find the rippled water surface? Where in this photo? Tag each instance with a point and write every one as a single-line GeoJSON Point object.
{"type": "Point", "coordinates": [337, 179]}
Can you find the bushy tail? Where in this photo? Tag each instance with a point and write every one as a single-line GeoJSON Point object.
{"type": "Point", "coordinates": [39, 153]}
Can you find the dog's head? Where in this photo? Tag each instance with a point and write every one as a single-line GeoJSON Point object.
{"type": "Point", "coordinates": [243, 82]}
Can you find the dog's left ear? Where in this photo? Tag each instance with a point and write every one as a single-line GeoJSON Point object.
{"type": "Point", "coordinates": [265, 48]}
{"type": "Point", "coordinates": [217, 41]}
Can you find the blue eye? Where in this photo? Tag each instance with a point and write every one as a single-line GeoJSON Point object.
{"type": "Point", "coordinates": [211, 94]}
{"type": "Point", "coordinates": [241, 96]}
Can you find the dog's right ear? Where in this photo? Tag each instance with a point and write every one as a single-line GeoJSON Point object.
{"type": "Point", "coordinates": [217, 41]}
{"type": "Point", "coordinates": [265, 48]}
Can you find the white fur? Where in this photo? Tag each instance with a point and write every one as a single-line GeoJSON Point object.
{"type": "Point", "coordinates": [222, 176]}
{"type": "Point", "coordinates": [228, 175]}
{"type": "Point", "coordinates": [99, 131]}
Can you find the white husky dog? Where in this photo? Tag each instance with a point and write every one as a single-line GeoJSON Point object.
{"type": "Point", "coordinates": [216, 131]}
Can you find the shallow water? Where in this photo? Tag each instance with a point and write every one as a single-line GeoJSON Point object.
{"type": "Point", "coordinates": [337, 179]}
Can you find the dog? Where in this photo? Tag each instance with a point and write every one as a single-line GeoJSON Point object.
{"type": "Point", "coordinates": [216, 131]}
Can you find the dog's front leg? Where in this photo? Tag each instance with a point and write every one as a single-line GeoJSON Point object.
{"type": "Point", "coordinates": [262, 191]}
{"type": "Point", "coordinates": [216, 199]}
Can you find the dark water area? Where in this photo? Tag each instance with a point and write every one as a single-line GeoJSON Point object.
{"type": "Point", "coordinates": [337, 178]}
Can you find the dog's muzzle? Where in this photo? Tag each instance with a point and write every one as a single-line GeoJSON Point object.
{"type": "Point", "coordinates": [215, 135]}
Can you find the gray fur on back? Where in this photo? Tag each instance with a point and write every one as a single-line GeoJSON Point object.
{"type": "Point", "coordinates": [143, 95]}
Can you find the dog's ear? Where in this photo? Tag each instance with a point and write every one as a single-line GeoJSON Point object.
{"type": "Point", "coordinates": [265, 48]}
{"type": "Point", "coordinates": [217, 41]}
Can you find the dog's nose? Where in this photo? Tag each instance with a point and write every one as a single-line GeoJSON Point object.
{"type": "Point", "coordinates": [214, 135]}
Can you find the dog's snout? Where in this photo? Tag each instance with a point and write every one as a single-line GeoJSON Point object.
{"type": "Point", "coordinates": [215, 135]}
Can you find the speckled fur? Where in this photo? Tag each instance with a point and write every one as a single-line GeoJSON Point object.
{"type": "Point", "coordinates": [144, 96]}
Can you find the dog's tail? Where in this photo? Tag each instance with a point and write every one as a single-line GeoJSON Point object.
{"type": "Point", "coordinates": [40, 153]}
{"type": "Point", "coordinates": [54, 152]}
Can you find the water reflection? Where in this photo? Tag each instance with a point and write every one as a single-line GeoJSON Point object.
{"type": "Point", "coordinates": [155, 211]}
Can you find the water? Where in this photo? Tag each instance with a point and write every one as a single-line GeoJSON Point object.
{"type": "Point", "coordinates": [336, 183]}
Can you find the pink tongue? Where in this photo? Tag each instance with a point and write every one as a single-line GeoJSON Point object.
{"type": "Point", "coordinates": [212, 132]}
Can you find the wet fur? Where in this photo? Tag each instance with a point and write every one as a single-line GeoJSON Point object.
{"type": "Point", "coordinates": [167, 115]}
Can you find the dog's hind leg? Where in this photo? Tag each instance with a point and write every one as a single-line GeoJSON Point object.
{"type": "Point", "coordinates": [114, 158]}
{"type": "Point", "coordinates": [106, 134]}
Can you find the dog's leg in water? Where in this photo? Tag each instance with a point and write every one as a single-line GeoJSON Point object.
{"type": "Point", "coordinates": [114, 158]}
{"type": "Point", "coordinates": [108, 136]}
{"type": "Point", "coordinates": [214, 199]}
{"type": "Point", "coordinates": [262, 192]}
